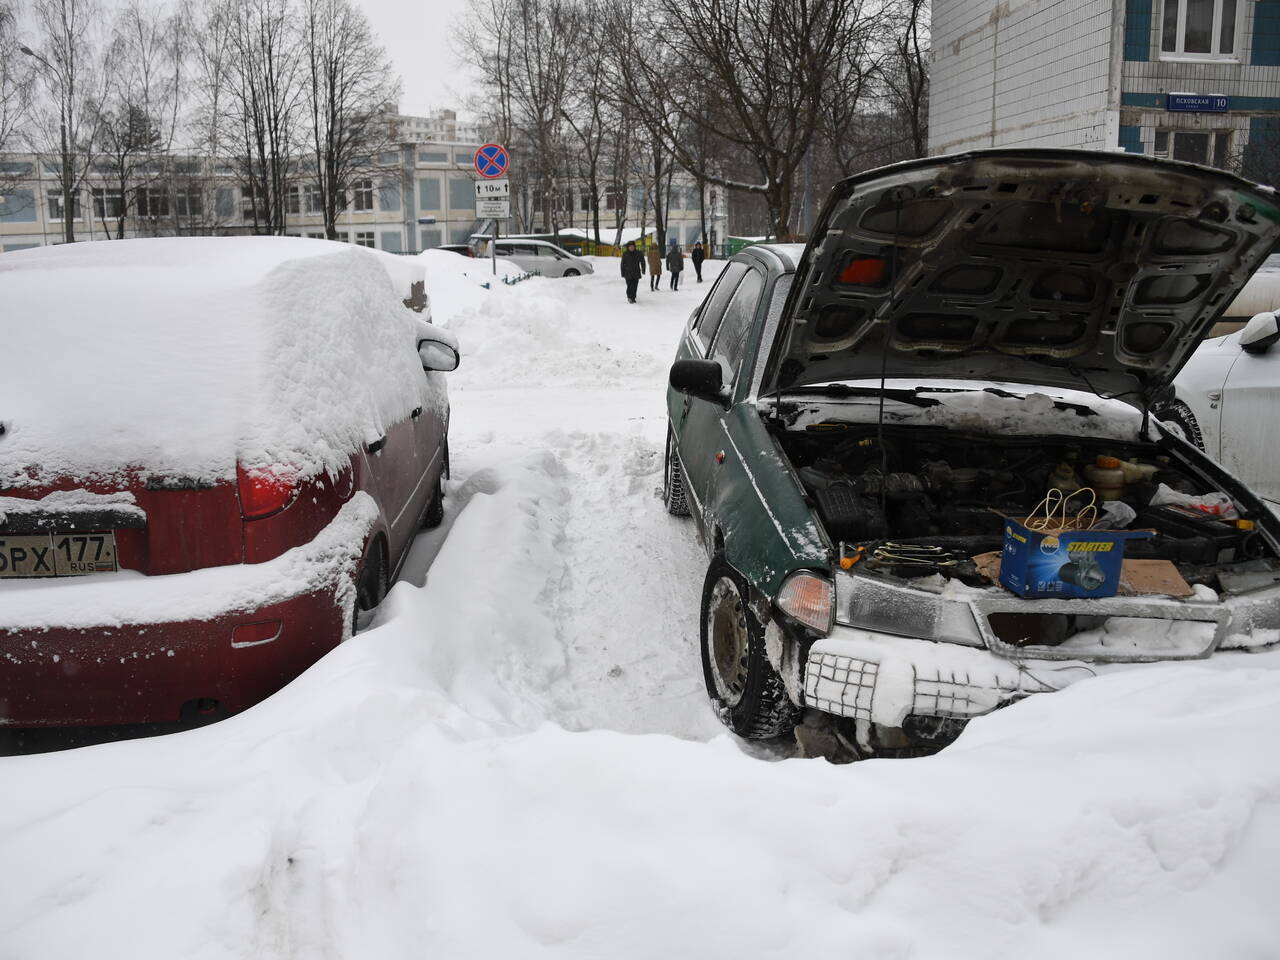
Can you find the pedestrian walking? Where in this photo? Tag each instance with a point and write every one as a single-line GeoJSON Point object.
{"type": "Point", "coordinates": [632, 268]}
{"type": "Point", "coordinates": [697, 255]}
{"type": "Point", "coordinates": [675, 264]}
{"type": "Point", "coordinates": [655, 265]}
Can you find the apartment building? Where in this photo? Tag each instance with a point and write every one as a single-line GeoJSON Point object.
{"type": "Point", "coordinates": [417, 194]}
{"type": "Point", "coordinates": [1195, 80]}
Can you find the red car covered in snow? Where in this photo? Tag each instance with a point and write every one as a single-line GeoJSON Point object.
{"type": "Point", "coordinates": [213, 454]}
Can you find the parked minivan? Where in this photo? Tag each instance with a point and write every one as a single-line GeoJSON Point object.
{"type": "Point", "coordinates": [542, 258]}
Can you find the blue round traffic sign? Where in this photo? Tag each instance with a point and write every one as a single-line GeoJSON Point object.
{"type": "Point", "coordinates": [492, 161]}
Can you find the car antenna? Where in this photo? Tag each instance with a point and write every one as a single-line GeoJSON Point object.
{"type": "Point", "coordinates": [884, 351]}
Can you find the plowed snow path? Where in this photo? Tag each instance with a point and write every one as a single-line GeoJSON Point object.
{"type": "Point", "coordinates": [570, 368]}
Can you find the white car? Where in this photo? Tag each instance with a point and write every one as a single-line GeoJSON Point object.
{"type": "Point", "coordinates": [1226, 400]}
{"type": "Point", "coordinates": [542, 258]}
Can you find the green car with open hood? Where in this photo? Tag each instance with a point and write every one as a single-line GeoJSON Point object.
{"type": "Point", "coordinates": [852, 421]}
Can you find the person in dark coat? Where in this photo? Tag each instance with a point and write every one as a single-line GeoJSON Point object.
{"type": "Point", "coordinates": [675, 263]}
{"type": "Point", "coordinates": [632, 269]}
{"type": "Point", "coordinates": [697, 255]}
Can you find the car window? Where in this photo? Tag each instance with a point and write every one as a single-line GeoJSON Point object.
{"type": "Point", "coordinates": [503, 249]}
{"type": "Point", "coordinates": [713, 310]}
{"type": "Point", "coordinates": [736, 325]}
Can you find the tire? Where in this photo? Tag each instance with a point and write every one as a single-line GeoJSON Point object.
{"type": "Point", "coordinates": [571, 273]}
{"type": "Point", "coordinates": [371, 583]}
{"type": "Point", "coordinates": [673, 480]}
{"type": "Point", "coordinates": [747, 693]}
{"type": "Point", "coordinates": [1177, 414]}
{"type": "Point", "coordinates": [435, 509]}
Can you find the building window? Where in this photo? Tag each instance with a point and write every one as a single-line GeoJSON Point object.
{"type": "Point", "coordinates": [247, 204]}
{"type": "Point", "coordinates": [364, 239]}
{"type": "Point", "coordinates": [363, 191]}
{"type": "Point", "coordinates": [152, 202]}
{"type": "Point", "coordinates": [429, 156]}
{"type": "Point", "coordinates": [293, 200]}
{"type": "Point", "coordinates": [189, 202]}
{"type": "Point", "coordinates": [613, 199]}
{"type": "Point", "coordinates": [316, 236]}
{"type": "Point", "coordinates": [311, 197]}
{"type": "Point", "coordinates": [107, 203]}
{"type": "Point", "coordinates": [1198, 29]}
{"type": "Point", "coordinates": [1210, 148]}
{"type": "Point", "coordinates": [57, 210]}
{"type": "Point", "coordinates": [586, 203]}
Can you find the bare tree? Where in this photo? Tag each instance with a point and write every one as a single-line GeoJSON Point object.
{"type": "Point", "coordinates": [264, 68]}
{"type": "Point", "coordinates": [68, 52]}
{"type": "Point", "coordinates": [906, 74]}
{"type": "Point", "coordinates": [768, 63]}
{"type": "Point", "coordinates": [17, 77]}
{"type": "Point", "coordinates": [140, 116]}
{"type": "Point", "coordinates": [351, 92]}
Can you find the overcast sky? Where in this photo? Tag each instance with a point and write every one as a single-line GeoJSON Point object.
{"type": "Point", "coordinates": [416, 34]}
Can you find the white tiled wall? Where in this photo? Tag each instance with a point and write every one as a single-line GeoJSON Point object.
{"type": "Point", "coordinates": [1019, 73]}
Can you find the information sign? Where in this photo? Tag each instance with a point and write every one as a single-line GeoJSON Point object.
{"type": "Point", "coordinates": [493, 209]}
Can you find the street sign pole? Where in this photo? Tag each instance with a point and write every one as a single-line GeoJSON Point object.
{"type": "Point", "coordinates": [491, 162]}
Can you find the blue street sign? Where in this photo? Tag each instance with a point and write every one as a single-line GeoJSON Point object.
{"type": "Point", "coordinates": [492, 161]}
{"type": "Point", "coordinates": [1197, 103]}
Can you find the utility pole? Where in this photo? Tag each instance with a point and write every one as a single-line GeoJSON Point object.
{"type": "Point", "coordinates": [64, 97]}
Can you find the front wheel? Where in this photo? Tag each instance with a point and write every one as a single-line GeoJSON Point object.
{"type": "Point", "coordinates": [747, 693]}
{"type": "Point", "coordinates": [1179, 416]}
{"type": "Point", "coordinates": [572, 273]}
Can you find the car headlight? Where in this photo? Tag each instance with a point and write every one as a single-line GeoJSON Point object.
{"type": "Point", "coordinates": [809, 599]}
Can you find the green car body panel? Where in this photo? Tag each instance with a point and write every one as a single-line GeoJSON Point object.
{"type": "Point", "coordinates": [741, 490]}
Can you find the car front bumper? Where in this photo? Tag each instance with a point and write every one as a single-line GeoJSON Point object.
{"type": "Point", "coordinates": [884, 679]}
{"type": "Point", "coordinates": [127, 648]}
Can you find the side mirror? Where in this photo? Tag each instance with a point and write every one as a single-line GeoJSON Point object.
{"type": "Point", "coordinates": [1260, 333]}
{"type": "Point", "coordinates": [437, 355]}
{"type": "Point", "coordinates": [702, 379]}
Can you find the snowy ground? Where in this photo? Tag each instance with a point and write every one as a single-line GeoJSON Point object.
{"type": "Point", "coordinates": [517, 759]}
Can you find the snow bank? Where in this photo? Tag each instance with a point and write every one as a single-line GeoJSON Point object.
{"type": "Point", "coordinates": [179, 356]}
{"type": "Point", "coordinates": [405, 797]}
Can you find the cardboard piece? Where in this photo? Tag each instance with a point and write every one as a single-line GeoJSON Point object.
{"type": "Point", "coordinates": [1062, 560]}
{"type": "Point", "coordinates": [1138, 578]}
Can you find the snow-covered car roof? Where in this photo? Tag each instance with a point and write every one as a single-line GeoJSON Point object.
{"type": "Point", "coordinates": [180, 356]}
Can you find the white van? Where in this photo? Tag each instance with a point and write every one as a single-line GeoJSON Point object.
{"type": "Point", "coordinates": [540, 257]}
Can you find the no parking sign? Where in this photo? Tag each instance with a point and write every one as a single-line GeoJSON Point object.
{"type": "Point", "coordinates": [492, 161]}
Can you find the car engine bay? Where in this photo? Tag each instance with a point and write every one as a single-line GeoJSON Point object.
{"type": "Point", "coordinates": [923, 501]}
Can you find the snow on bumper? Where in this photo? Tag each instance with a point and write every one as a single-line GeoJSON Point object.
{"type": "Point", "coordinates": [962, 670]}
{"type": "Point", "coordinates": [128, 648]}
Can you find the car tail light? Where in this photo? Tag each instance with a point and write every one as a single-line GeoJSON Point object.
{"type": "Point", "coordinates": [256, 634]}
{"type": "Point", "coordinates": [809, 599]}
{"type": "Point", "coordinates": [863, 272]}
{"type": "Point", "coordinates": [265, 491]}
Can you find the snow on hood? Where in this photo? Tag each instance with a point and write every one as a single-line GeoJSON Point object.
{"type": "Point", "coordinates": [1061, 268]}
{"type": "Point", "coordinates": [178, 357]}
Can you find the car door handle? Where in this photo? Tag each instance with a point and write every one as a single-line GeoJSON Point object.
{"type": "Point", "coordinates": [373, 446]}
{"type": "Point", "coordinates": [417, 412]}
{"type": "Point", "coordinates": [1215, 395]}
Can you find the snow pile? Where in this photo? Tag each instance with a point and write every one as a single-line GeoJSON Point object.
{"type": "Point", "coordinates": [406, 797]}
{"type": "Point", "coordinates": [179, 356]}
{"type": "Point", "coordinates": [421, 792]}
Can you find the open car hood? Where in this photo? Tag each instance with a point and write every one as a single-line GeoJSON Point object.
{"type": "Point", "coordinates": [1087, 271]}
